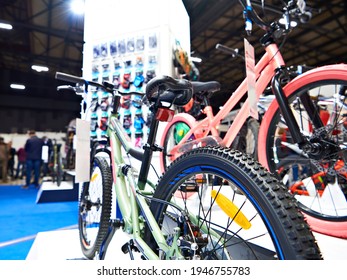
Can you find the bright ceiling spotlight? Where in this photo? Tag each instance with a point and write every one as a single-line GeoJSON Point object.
{"type": "Point", "coordinates": [4, 25]}
{"type": "Point", "coordinates": [39, 68]}
{"type": "Point", "coordinates": [17, 86]}
{"type": "Point", "coordinates": [77, 6]}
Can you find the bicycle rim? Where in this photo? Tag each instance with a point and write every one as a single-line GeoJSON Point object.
{"type": "Point", "coordinates": [236, 209]}
{"type": "Point", "coordinates": [319, 181]}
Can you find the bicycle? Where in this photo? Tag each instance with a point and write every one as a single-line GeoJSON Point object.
{"type": "Point", "coordinates": [319, 144]}
{"type": "Point", "coordinates": [69, 145]}
{"type": "Point", "coordinates": [247, 214]}
{"type": "Point", "coordinates": [55, 164]}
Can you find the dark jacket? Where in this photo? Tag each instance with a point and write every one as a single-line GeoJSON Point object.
{"type": "Point", "coordinates": [22, 156]}
{"type": "Point", "coordinates": [33, 148]}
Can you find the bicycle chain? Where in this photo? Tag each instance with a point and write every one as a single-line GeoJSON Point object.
{"type": "Point", "coordinates": [171, 217]}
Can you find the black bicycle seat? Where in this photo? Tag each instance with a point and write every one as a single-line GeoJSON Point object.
{"type": "Point", "coordinates": [168, 89]}
{"type": "Point", "coordinates": [205, 88]}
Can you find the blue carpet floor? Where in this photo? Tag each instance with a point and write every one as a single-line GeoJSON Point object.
{"type": "Point", "coordinates": [21, 218]}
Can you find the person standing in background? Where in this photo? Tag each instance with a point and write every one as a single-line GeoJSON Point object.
{"type": "Point", "coordinates": [3, 159]}
{"type": "Point", "coordinates": [11, 156]}
{"type": "Point", "coordinates": [33, 149]}
{"type": "Point", "coordinates": [21, 159]}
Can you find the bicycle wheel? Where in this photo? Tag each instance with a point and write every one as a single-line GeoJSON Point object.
{"type": "Point", "coordinates": [247, 140]}
{"type": "Point", "coordinates": [172, 135]}
{"type": "Point", "coordinates": [225, 205]}
{"type": "Point", "coordinates": [306, 182]}
{"type": "Point", "coordinates": [70, 159]}
{"type": "Point", "coordinates": [324, 191]}
{"type": "Point", "coordinates": [95, 208]}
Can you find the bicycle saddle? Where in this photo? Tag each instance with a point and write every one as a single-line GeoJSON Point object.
{"type": "Point", "coordinates": [205, 88]}
{"type": "Point", "coordinates": [168, 89]}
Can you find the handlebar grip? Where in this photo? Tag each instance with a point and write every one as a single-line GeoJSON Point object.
{"type": "Point", "coordinates": [65, 87]}
{"type": "Point", "coordinates": [69, 78]}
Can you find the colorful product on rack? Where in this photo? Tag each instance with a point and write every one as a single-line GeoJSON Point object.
{"type": "Point", "coordinates": [139, 122]}
{"type": "Point", "coordinates": [127, 122]}
{"type": "Point", "coordinates": [126, 80]}
{"type": "Point", "coordinates": [139, 79]}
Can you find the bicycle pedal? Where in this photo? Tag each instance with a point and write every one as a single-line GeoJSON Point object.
{"type": "Point", "coordinates": [129, 247]}
{"type": "Point", "coordinates": [125, 248]}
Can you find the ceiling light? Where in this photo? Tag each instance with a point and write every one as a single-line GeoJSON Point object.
{"type": "Point", "coordinates": [77, 6]}
{"type": "Point", "coordinates": [39, 68]}
{"type": "Point", "coordinates": [17, 86]}
{"type": "Point", "coordinates": [4, 25]}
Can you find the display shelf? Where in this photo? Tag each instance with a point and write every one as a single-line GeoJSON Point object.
{"type": "Point", "coordinates": [51, 192]}
{"type": "Point", "coordinates": [64, 245]}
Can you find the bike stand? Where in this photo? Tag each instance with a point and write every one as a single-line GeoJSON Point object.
{"type": "Point", "coordinates": [114, 225]}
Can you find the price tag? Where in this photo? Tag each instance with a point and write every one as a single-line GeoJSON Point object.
{"type": "Point", "coordinates": [82, 165]}
{"type": "Point", "coordinates": [250, 71]}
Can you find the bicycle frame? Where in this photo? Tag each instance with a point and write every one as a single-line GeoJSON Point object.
{"type": "Point", "coordinates": [129, 192]}
{"type": "Point", "coordinates": [128, 199]}
{"type": "Point", "coordinates": [264, 71]}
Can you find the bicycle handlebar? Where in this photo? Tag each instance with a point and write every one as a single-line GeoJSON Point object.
{"type": "Point", "coordinates": [69, 78]}
{"type": "Point", "coordinates": [294, 9]}
{"type": "Point", "coordinates": [233, 52]}
{"type": "Point", "coordinates": [78, 80]}
{"type": "Point", "coordinates": [164, 88]}
{"type": "Point", "coordinates": [226, 49]}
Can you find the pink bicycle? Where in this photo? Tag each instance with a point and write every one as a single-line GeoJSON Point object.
{"type": "Point", "coordinates": [300, 137]}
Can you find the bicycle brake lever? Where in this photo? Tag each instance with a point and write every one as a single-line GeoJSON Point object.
{"type": "Point", "coordinates": [305, 13]}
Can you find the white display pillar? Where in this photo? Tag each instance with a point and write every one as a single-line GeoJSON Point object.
{"type": "Point", "coordinates": [128, 42]}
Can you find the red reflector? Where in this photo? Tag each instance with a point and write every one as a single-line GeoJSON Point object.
{"type": "Point", "coordinates": [165, 114]}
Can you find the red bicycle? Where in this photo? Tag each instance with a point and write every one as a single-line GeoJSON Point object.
{"type": "Point", "coordinates": [297, 121]}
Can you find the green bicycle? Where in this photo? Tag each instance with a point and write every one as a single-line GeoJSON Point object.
{"type": "Point", "coordinates": [211, 203]}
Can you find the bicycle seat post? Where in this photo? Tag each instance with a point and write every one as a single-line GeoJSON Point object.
{"type": "Point", "coordinates": [149, 147]}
